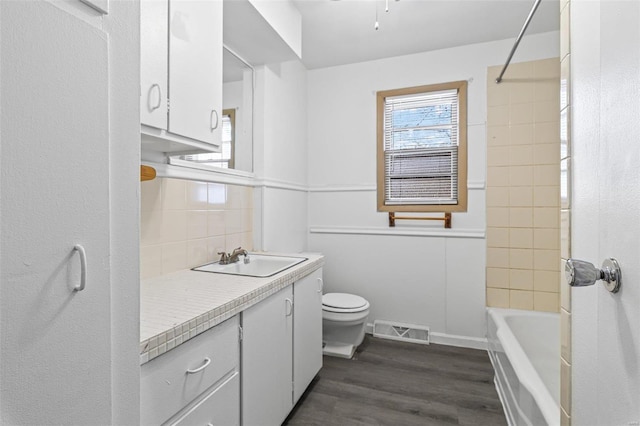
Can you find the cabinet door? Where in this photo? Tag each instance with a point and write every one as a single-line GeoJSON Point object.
{"type": "Point", "coordinates": [154, 47]}
{"type": "Point", "coordinates": [307, 331]}
{"type": "Point", "coordinates": [195, 69]}
{"type": "Point", "coordinates": [55, 346]}
{"type": "Point", "coordinates": [266, 360]}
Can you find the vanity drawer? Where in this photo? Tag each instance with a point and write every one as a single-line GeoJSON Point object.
{"type": "Point", "coordinates": [220, 407]}
{"type": "Point", "coordinates": [166, 386]}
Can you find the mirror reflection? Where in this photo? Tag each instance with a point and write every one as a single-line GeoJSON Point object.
{"type": "Point", "coordinates": [237, 118]}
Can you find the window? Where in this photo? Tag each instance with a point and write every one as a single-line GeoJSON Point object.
{"type": "Point", "coordinates": [225, 158]}
{"type": "Point", "coordinates": [422, 148]}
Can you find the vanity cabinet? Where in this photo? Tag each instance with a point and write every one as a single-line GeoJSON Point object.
{"type": "Point", "coordinates": [197, 381]}
{"type": "Point", "coordinates": [181, 75]}
{"type": "Point", "coordinates": [281, 350]}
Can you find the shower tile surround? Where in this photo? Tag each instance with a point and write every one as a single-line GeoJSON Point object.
{"type": "Point", "coordinates": [186, 223]}
{"type": "Point", "coordinates": [524, 186]}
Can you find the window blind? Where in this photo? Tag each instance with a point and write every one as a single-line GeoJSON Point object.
{"type": "Point", "coordinates": [421, 148]}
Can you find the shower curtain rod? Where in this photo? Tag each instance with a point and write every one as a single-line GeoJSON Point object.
{"type": "Point", "coordinates": [515, 45]}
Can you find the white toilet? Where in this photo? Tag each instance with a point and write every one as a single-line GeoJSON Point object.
{"type": "Point", "coordinates": [344, 318]}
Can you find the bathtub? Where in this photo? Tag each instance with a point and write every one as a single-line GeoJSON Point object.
{"type": "Point", "coordinates": [524, 347]}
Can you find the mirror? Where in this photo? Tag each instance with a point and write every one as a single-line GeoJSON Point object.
{"type": "Point", "coordinates": [237, 118]}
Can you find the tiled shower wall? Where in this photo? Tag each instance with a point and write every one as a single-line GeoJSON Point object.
{"type": "Point", "coordinates": [186, 223]}
{"type": "Point", "coordinates": [523, 186]}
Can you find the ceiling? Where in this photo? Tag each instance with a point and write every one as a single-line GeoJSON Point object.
{"type": "Point", "coordinates": [336, 32]}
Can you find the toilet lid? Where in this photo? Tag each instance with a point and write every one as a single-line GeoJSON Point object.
{"type": "Point", "coordinates": [343, 301]}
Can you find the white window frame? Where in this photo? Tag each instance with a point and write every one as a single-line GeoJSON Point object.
{"type": "Point", "coordinates": [457, 205]}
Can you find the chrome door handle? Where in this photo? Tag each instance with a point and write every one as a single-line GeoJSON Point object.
{"type": "Point", "coordinates": [581, 274]}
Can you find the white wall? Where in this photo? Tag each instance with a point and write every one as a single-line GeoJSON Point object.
{"type": "Point", "coordinates": [425, 277]}
{"type": "Point", "coordinates": [280, 151]}
{"type": "Point", "coordinates": [605, 77]}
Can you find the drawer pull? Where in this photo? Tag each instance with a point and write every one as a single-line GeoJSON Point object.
{"type": "Point", "coordinates": [207, 361]}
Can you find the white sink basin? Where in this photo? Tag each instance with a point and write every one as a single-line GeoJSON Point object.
{"type": "Point", "coordinates": [260, 265]}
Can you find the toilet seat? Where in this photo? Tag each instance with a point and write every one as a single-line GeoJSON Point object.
{"type": "Point", "coordinates": [343, 303]}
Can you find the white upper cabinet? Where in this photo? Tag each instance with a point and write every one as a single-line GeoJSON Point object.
{"type": "Point", "coordinates": [181, 75]}
{"type": "Point", "coordinates": [153, 63]}
{"type": "Point", "coordinates": [195, 64]}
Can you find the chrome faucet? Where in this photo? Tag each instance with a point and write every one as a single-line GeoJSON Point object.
{"type": "Point", "coordinates": [226, 258]}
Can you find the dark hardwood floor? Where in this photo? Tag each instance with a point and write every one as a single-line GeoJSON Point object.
{"type": "Point", "coordinates": [401, 384]}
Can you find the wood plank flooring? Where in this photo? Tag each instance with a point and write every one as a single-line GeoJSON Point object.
{"type": "Point", "coordinates": [402, 384]}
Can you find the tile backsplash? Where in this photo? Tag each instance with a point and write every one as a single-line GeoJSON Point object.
{"type": "Point", "coordinates": [186, 223]}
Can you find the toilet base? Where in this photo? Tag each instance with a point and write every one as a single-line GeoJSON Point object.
{"type": "Point", "coordinates": [339, 350]}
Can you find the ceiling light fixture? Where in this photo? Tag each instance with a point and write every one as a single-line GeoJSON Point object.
{"type": "Point", "coordinates": [376, 26]}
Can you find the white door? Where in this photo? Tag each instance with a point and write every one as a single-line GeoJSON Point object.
{"type": "Point", "coordinates": [55, 343]}
{"type": "Point", "coordinates": [605, 218]}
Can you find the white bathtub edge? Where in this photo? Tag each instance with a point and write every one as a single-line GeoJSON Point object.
{"type": "Point", "coordinates": [526, 373]}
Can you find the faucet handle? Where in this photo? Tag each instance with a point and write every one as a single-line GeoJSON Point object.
{"type": "Point", "coordinates": [224, 257]}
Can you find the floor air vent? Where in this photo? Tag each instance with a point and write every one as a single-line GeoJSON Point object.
{"type": "Point", "coordinates": [403, 332]}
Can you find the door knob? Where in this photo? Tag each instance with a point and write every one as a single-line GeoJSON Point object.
{"type": "Point", "coordinates": [580, 274]}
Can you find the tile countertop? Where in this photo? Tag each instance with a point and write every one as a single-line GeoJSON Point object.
{"type": "Point", "coordinates": [178, 306]}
